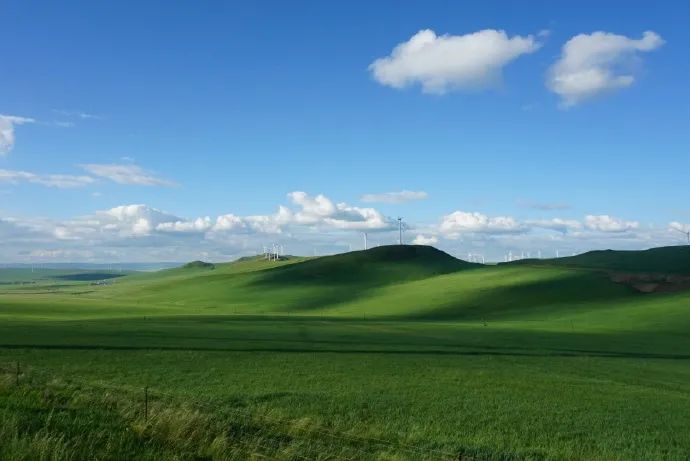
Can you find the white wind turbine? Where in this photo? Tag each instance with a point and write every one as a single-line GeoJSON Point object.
{"type": "Point", "coordinates": [686, 233]}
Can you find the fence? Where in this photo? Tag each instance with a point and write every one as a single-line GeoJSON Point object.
{"type": "Point", "coordinates": [313, 442]}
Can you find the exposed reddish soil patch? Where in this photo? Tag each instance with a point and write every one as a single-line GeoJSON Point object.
{"type": "Point", "coordinates": [652, 283]}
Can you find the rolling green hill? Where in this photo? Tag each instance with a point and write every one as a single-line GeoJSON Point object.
{"type": "Point", "coordinates": [378, 266]}
{"type": "Point", "coordinates": [670, 260]}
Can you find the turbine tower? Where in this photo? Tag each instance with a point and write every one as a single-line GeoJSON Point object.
{"type": "Point", "coordinates": [365, 241]}
{"type": "Point", "coordinates": [686, 233]}
{"type": "Point", "coordinates": [400, 241]}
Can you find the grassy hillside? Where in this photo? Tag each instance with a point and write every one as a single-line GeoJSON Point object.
{"type": "Point", "coordinates": [671, 260]}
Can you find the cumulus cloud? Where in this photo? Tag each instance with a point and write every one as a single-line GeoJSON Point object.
{"type": "Point", "coordinates": [7, 126]}
{"type": "Point", "coordinates": [194, 226]}
{"type": "Point", "coordinates": [62, 181]}
{"type": "Point", "coordinates": [395, 197]}
{"type": "Point", "coordinates": [455, 224]}
{"type": "Point", "coordinates": [133, 220]}
{"type": "Point", "coordinates": [606, 223]}
{"type": "Point", "coordinates": [126, 174]}
{"type": "Point", "coordinates": [141, 221]}
{"type": "Point", "coordinates": [591, 64]}
{"type": "Point", "coordinates": [451, 62]}
{"type": "Point", "coordinates": [320, 210]}
{"type": "Point", "coordinates": [425, 240]}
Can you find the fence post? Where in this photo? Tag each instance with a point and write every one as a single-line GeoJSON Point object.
{"type": "Point", "coordinates": [146, 403]}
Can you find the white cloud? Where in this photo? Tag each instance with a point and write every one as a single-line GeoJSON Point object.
{"type": "Point", "coordinates": [321, 211]}
{"type": "Point", "coordinates": [77, 114]}
{"type": "Point", "coordinates": [62, 181]}
{"type": "Point", "coordinates": [395, 197]}
{"type": "Point", "coordinates": [679, 226]}
{"type": "Point", "coordinates": [459, 222]}
{"type": "Point", "coordinates": [126, 174]}
{"type": "Point", "coordinates": [606, 223]}
{"type": "Point", "coordinates": [134, 220]}
{"type": "Point", "coordinates": [449, 62]}
{"type": "Point", "coordinates": [425, 240]}
{"type": "Point", "coordinates": [7, 125]}
{"type": "Point", "coordinates": [557, 224]}
{"type": "Point", "coordinates": [195, 226]}
{"type": "Point", "coordinates": [591, 64]}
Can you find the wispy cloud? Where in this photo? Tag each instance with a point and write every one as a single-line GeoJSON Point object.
{"type": "Point", "coordinates": [77, 114]}
{"type": "Point", "coordinates": [395, 197]}
{"type": "Point", "coordinates": [126, 174]}
{"type": "Point", "coordinates": [61, 181]}
{"type": "Point", "coordinates": [7, 126]}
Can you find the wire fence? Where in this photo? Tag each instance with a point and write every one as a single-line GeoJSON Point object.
{"type": "Point", "coordinates": [274, 432]}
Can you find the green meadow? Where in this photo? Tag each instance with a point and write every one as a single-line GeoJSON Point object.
{"type": "Point", "coordinates": [395, 353]}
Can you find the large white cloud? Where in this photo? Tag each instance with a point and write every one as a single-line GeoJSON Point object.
{"type": "Point", "coordinates": [455, 224]}
{"type": "Point", "coordinates": [606, 223]}
{"type": "Point", "coordinates": [448, 62]}
{"type": "Point", "coordinates": [7, 125]}
{"type": "Point", "coordinates": [321, 211]}
{"type": "Point", "coordinates": [591, 64]}
{"type": "Point", "coordinates": [395, 197]}
{"type": "Point", "coordinates": [134, 220]}
{"type": "Point", "coordinates": [62, 181]}
{"type": "Point", "coordinates": [126, 174]}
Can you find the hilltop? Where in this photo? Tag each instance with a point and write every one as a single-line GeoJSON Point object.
{"type": "Point", "coordinates": [199, 265]}
{"type": "Point", "coordinates": [666, 260]}
{"type": "Point", "coordinates": [379, 265]}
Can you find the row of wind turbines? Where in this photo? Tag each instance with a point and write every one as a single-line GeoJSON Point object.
{"type": "Point", "coordinates": [276, 251]}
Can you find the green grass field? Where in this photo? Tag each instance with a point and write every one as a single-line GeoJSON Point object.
{"type": "Point", "coordinates": [397, 353]}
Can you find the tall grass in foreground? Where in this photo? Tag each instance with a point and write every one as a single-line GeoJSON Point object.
{"type": "Point", "coordinates": [46, 418]}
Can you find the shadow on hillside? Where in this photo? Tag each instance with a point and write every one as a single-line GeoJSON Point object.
{"type": "Point", "coordinates": [331, 280]}
{"type": "Point", "coordinates": [575, 290]}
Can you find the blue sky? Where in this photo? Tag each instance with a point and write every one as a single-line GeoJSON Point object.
{"type": "Point", "coordinates": [223, 109]}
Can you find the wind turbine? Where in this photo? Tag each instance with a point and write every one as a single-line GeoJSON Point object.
{"type": "Point", "coordinates": [686, 233]}
{"type": "Point", "coordinates": [400, 240]}
{"type": "Point", "coordinates": [365, 241]}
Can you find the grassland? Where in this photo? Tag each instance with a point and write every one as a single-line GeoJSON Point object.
{"type": "Point", "coordinates": [397, 353]}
